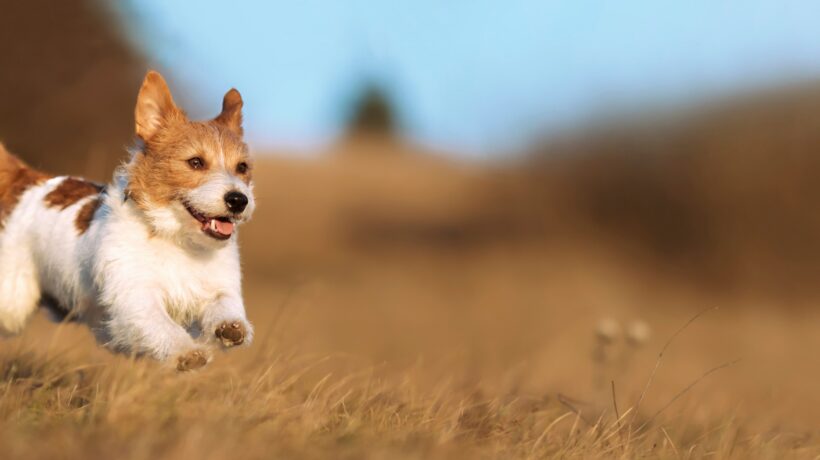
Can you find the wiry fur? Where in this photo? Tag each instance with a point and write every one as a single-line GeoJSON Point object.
{"type": "Point", "coordinates": [130, 260]}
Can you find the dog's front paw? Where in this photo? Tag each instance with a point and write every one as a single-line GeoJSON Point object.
{"type": "Point", "coordinates": [191, 360]}
{"type": "Point", "coordinates": [231, 333]}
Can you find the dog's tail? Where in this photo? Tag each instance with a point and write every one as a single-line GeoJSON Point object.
{"type": "Point", "coordinates": [3, 152]}
{"type": "Point", "coordinates": [15, 177]}
{"type": "Point", "coordinates": [12, 168]}
{"type": "Point", "coordinates": [9, 165]}
{"type": "Point", "coordinates": [8, 162]}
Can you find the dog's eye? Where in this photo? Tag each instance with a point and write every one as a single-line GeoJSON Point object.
{"type": "Point", "coordinates": [242, 168]}
{"type": "Point", "coordinates": [196, 163]}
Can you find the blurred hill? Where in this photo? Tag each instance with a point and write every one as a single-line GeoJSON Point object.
{"type": "Point", "coordinates": [722, 197]}
{"type": "Point", "coordinates": [67, 86]}
{"type": "Point", "coordinates": [725, 195]}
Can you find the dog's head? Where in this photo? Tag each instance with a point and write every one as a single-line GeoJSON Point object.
{"type": "Point", "coordinates": [191, 179]}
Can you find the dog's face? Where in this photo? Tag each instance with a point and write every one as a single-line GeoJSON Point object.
{"type": "Point", "coordinates": [191, 179]}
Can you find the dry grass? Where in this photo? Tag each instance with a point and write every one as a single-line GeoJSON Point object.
{"type": "Point", "coordinates": [271, 402]}
{"type": "Point", "coordinates": [429, 345]}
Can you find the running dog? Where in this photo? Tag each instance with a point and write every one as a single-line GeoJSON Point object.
{"type": "Point", "coordinates": [149, 262]}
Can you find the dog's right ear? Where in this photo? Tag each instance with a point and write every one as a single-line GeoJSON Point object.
{"type": "Point", "coordinates": [155, 106]}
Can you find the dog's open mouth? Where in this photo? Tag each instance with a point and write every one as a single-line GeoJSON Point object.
{"type": "Point", "coordinates": [219, 227]}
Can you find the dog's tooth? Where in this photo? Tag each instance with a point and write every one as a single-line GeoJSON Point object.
{"type": "Point", "coordinates": [213, 224]}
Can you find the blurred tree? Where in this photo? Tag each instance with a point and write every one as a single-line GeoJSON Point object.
{"type": "Point", "coordinates": [67, 86]}
{"type": "Point", "coordinates": [372, 114]}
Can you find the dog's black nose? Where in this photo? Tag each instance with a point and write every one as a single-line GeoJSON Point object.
{"type": "Point", "coordinates": [236, 201]}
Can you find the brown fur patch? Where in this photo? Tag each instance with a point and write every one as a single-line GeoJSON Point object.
{"type": "Point", "coordinates": [86, 214]}
{"type": "Point", "coordinates": [70, 191]}
{"type": "Point", "coordinates": [15, 178]}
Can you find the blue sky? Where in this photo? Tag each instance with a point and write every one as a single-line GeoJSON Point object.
{"type": "Point", "coordinates": [474, 77]}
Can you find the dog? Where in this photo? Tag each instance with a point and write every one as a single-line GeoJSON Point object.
{"type": "Point", "coordinates": [149, 262]}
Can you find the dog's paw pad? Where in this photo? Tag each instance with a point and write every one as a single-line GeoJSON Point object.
{"type": "Point", "coordinates": [231, 333]}
{"type": "Point", "coordinates": [191, 360]}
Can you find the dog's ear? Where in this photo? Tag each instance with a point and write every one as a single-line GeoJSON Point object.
{"type": "Point", "coordinates": [155, 106]}
{"type": "Point", "coordinates": [231, 115]}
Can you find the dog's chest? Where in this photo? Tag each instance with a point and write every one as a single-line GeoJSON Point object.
{"type": "Point", "coordinates": [186, 283]}
{"type": "Point", "coordinates": [185, 291]}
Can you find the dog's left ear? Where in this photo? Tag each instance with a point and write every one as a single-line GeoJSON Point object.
{"type": "Point", "coordinates": [231, 115]}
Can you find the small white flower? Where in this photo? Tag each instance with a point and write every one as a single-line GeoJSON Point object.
{"type": "Point", "coordinates": [638, 333]}
{"type": "Point", "coordinates": [608, 330]}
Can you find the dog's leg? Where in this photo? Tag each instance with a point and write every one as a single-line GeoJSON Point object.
{"type": "Point", "coordinates": [141, 325]}
{"type": "Point", "coordinates": [19, 287]}
{"type": "Point", "coordinates": [224, 321]}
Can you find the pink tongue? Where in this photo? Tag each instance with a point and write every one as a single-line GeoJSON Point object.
{"type": "Point", "coordinates": [225, 228]}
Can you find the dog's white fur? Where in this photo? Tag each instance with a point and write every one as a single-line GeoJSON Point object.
{"type": "Point", "coordinates": [146, 282]}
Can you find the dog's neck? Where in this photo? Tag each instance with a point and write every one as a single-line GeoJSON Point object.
{"type": "Point", "coordinates": [125, 206]}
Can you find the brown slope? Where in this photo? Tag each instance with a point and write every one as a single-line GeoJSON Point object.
{"type": "Point", "coordinates": [67, 84]}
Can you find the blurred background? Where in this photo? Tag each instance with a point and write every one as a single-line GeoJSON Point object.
{"type": "Point", "coordinates": [484, 187]}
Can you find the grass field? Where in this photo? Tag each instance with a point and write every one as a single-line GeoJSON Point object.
{"type": "Point", "coordinates": [387, 330]}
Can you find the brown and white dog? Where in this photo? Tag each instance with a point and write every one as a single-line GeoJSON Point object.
{"type": "Point", "coordinates": [150, 262]}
